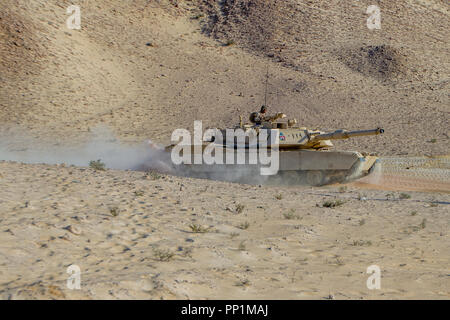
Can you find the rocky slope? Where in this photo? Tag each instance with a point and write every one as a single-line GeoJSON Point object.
{"type": "Point", "coordinates": [146, 68]}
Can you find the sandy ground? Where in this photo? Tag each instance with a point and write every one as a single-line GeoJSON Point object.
{"type": "Point", "coordinates": [258, 242]}
{"type": "Point", "coordinates": [135, 72]}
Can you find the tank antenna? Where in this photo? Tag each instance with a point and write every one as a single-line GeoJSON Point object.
{"type": "Point", "coordinates": [265, 90]}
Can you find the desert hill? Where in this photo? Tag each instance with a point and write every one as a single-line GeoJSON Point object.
{"type": "Point", "coordinates": [144, 68]}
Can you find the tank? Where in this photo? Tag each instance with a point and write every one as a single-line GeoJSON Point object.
{"type": "Point", "coordinates": [306, 156]}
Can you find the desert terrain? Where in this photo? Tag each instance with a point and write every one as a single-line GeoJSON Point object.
{"type": "Point", "coordinates": [138, 70]}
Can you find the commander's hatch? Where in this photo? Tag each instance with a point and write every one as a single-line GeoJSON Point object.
{"type": "Point", "coordinates": [280, 124]}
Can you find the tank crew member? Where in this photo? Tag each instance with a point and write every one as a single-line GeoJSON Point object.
{"type": "Point", "coordinates": [259, 117]}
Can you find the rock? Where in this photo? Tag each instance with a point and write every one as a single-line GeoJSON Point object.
{"type": "Point", "coordinates": [73, 229]}
{"type": "Point", "coordinates": [65, 237]}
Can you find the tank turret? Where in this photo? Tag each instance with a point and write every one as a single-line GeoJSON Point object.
{"type": "Point", "coordinates": [292, 136]}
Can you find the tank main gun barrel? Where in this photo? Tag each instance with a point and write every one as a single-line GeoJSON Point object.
{"type": "Point", "coordinates": [344, 134]}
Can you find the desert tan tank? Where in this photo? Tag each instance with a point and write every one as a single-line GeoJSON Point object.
{"type": "Point", "coordinates": [305, 156]}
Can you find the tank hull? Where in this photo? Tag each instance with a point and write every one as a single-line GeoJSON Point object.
{"type": "Point", "coordinates": [295, 167]}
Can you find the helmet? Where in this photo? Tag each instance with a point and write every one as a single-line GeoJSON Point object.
{"type": "Point", "coordinates": [263, 109]}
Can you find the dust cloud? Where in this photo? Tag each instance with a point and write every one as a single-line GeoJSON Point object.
{"type": "Point", "coordinates": [20, 146]}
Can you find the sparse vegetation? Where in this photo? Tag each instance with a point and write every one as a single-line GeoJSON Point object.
{"type": "Point", "coordinates": [244, 225]}
{"type": "Point", "coordinates": [343, 189]}
{"type": "Point", "coordinates": [433, 140]}
{"type": "Point", "coordinates": [339, 262]}
{"type": "Point", "coordinates": [362, 243]}
{"type": "Point", "coordinates": [197, 16]}
{"type": "Point", "coordinates": [162, 255]}
{"type": "Point", "coordinates": [153, 175]}
{"type": "Point", "coordinates": [362, 222]}
{"type": "Point", "coordinates": [97, 165]}
{"type": "Point", "coordinates": [288, 216]}
{"type": "Point", "coordinates": [229, 42]}
{"type": "Point", "coordinates": [390, 196]}
{"type": "Point", "coordinates": [114, 211]}
{"type": "Point", "coordinates": [362, 196]}
{"type": "Point", "coordinates": [404, 196]}
{"type": "Point", "coordinates": [242, 283]}
{"type": "Point", "coordinates": [240, 208]}
{"type": "Point", "coordinates": [187, 252]}
{"type": "Point", "coordinates": [414, 213]}
{"type": "Point", "coordinates": [423, 224]}
{"type": "Point", "coordinates": [333, 204]}
{"type": "Point", "coordinates": [279, 196]}
{"type": "Point", "coordinates": [196, 228]}
{"type": "Point", "coordinates": [242, 246]}
{"type": "Point", "coordinates": [291, 215]}
{"type": "Point", "coordinates": [234, 235]}
{"type": "Point", "coordinates": [139, 193]}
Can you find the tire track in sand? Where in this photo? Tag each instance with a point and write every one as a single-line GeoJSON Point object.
{"type": "Point", "coordinates": [427, 174]}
